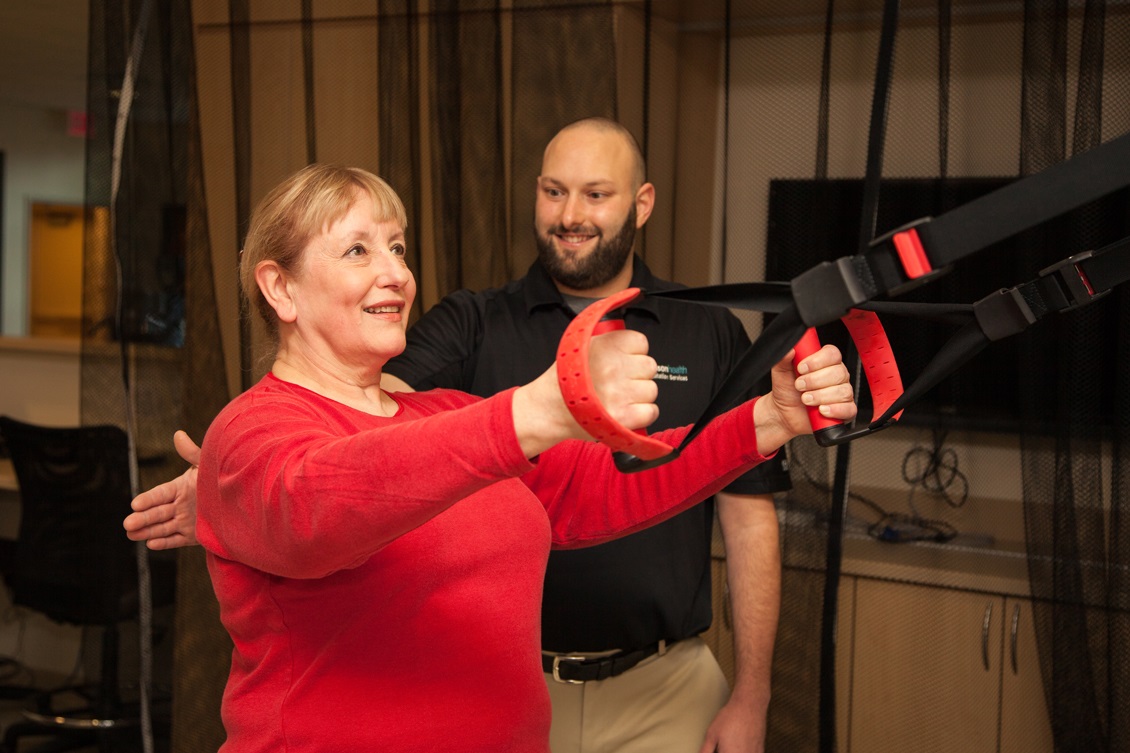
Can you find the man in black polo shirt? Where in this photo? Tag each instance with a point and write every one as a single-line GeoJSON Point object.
{"type": "Point", "coordinates": [634, 607]}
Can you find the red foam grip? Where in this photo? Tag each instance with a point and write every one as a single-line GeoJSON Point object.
{"type": "Point", "coordinates": [878, 359]}
{"type": "Point", "coordinates": [809, 344]}
{"type": "Point", "coordinates": [577, 387]}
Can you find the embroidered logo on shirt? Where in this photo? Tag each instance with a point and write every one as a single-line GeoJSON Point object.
{"type": "Point", "coordinates": [672, 373]}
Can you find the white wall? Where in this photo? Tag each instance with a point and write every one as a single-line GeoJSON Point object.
{"type": "Point", "coordinates": [41, 163]}
{"type": "Point", "coordinates": [39, 381]}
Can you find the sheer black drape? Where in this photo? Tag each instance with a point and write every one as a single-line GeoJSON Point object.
{"type": "Point", "coordinates": [1074, 508]}
{"type": "Point", "coordinates": [1065, 68]}
{"type": "Point", "coordinates": [135, 345]}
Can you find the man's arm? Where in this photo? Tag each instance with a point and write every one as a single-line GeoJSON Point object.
{"type": "Point", "coordinates": [753, 571]}
{"type": "Point", "coordinates": [165, 516]}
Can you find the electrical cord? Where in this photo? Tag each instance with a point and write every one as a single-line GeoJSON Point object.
{"type": "Point", "coordinates": [939, 473]}
{"type": "Point", "coordinates": [897, 528]}
{"type": "Point", "coordinates": [936, 471]}
{"type": "Point", "coordinates": [145, 596]}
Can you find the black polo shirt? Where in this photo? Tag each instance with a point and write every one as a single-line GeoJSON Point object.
{"type": "Point", "coordinates": [654, 584]}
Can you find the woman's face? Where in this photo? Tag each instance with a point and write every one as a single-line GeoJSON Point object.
{"type": "Point", "coordinates": [354, 291]}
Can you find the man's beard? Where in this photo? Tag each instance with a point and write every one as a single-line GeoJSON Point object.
{"type": "Point", "coordinates": [599, 267]}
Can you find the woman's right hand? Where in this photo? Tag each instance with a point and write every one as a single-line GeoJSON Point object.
{"type": "Point", "coordinates": [623, 377]}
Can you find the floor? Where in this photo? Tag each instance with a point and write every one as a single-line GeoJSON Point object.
{"type": "Point", "coordinates": [129, 741]}
{"type": "Point", "coordinates": [126, 740]}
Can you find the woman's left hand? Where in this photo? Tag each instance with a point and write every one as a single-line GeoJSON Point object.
{"type": "Point", "coordinates": [820, 380]}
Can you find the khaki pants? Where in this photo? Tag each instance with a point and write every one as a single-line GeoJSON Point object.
{"type": "Point", "coordinates": [664, 703]}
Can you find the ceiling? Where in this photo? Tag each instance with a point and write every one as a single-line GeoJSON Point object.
{"type": "Point", "coordinates": [43, 53]}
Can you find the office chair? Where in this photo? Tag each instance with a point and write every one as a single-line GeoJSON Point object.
{"type": "Point", "coordinates": [74, 564]}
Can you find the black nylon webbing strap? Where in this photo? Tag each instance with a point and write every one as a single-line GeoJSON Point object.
{"type": "Point", "coordinates": [769, 297]}
{"type": "Point", "coordinates": [1071, 283]}
{"type": "Point", "coordinates": [1027, 203]}
{"type": "Point", "coordinates": [918, 253]}
{"type": "Point", "coordinates": [775, 342]}
{"type": "Point", "coordinates": [1009, 312]}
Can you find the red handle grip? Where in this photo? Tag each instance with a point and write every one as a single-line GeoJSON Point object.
{"type": "Point", "coordinates": [809, 344]}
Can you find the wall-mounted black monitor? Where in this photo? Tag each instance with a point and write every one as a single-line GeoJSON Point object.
{"type": "Point", "coordinates": [816, 220]}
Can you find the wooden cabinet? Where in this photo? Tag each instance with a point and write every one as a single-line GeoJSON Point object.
{"type": "Point", "coordinates": [941, 669]}
{"type": "Point", "coordinates": [1025, 725]}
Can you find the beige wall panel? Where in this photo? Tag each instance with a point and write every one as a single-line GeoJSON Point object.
{"type": "Point", "coordinates": [345, 8]}
{"type": "Point", "coordinates": [278, 106]}
{"type": "Point", "coordinates": [699, 78]}
{"type": "Point", "coordinates": [662, 135]}
{"type": "Point", "coordinates": [209, 13]}
{"type": "Point", "coordinates": [985, 98]}
{"type": "Point", "coordinates": [345, 91]}
{"type": "Point", "coordinates": [275, 10]}
{"type": "Point", "coordinates": [773, 128]}
{"type": "Point", "coordinates": [213, 83]}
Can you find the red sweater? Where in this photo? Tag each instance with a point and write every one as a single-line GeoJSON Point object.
{"type": "Point", "coordinates": [381, 577]}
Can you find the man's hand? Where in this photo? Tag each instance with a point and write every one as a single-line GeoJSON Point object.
{"type": "Point", "coordinates": [738, 727]}
{"type": "Point", "coordinates": [165, 516]}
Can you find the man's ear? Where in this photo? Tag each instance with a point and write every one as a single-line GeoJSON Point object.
{"type": "Point", "coordinates": [645, 202]}
{"type": "Point", "coordinates": [272, 281]}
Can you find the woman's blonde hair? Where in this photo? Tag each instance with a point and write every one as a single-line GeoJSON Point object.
{"type": "Point", "coordinates": [299, 208]}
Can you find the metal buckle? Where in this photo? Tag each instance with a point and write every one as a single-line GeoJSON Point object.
{"type": "Point", "coordinates": [829, 290]}
{"type": "Point", "coordinates": [1072, 281]}
{"type": "Point", "coordinates": [1003, 314]}
{"type": "Point", "coordinates": [557, 663]}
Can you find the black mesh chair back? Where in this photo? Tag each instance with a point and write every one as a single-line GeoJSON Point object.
{"type": "Point", "coordinates": [72, 561]}
{"type": "Point", "coordinates": [74, 564]}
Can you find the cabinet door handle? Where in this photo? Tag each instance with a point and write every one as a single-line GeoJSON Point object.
{"type": "Point", "coordinates": [985, 623]}
{"type": "Point", "coordinates": [1013, 638]}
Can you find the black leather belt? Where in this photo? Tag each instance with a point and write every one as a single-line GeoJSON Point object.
{"type": "Point", "coordinates": [576, 670]}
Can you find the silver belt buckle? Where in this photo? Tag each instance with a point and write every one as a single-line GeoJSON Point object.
{"type": "Point", "coordinates": [557, 662]}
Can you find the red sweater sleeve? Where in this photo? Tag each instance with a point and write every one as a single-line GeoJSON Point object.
{"type": "Point", "coordinates": [567, 474]}
{"type": "Point", "coordinates": [299, 486]}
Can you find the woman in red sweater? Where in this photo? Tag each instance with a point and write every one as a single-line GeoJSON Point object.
{"type": "Point", "coordinates": [378, 557]}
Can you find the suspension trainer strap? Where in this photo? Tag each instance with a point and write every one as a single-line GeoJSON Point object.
{"type": "Point", "coordinates": [925, 248]}
{"type": "Point", "coordinates": [919, 253]}
{"type": "Point", "coordinates": [770, 297]}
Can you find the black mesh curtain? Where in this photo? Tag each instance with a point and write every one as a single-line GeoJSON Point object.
{"type": "Point", "coordinates": [136, 197]}
{"type": "Point", "coordinates": [1074, 510]}
{"type": "Point", "coordinates": [141, 287]}
{"type": "Point", "coordinates": [134, 325]}
{"type": "Point", "coordinates": [1051, 435]}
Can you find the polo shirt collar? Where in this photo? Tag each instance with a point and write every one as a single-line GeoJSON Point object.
{"type": "Point", "coordinates": [540, 290]}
